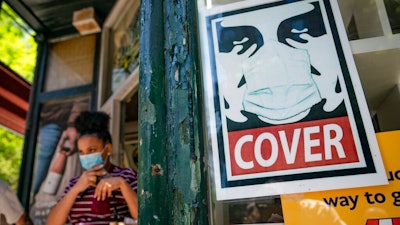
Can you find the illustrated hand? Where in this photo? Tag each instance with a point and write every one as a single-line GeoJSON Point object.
{"type": "Point", "coordinates": [106, 185]}
{"type": "Point", "coordinates": [70, 134]}
{"type": "Point", "coordinates": [89, 177]}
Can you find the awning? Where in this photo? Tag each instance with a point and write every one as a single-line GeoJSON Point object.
{"type": "Point", "coordinates": [53, 18]}
{"type": "Point", "coordinates": [14, 99]}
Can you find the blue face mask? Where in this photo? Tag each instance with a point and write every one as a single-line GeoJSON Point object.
{"type": "Point", "coordinates": [91, 160]}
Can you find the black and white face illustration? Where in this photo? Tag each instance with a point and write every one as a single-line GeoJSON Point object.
{"type": "Point", "coordinates": [277, 64]}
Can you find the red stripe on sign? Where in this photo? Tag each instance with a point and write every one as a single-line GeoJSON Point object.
{"type": "Point", "coordinates": [372, 222]}
{"type": "Point", "coordinates": [292, 146]}
{"type": "Point", "coordinates": [396, 221]}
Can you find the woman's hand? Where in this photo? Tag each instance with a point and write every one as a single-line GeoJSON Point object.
{"type": "Point", "coordinates": [59, 213]}
{"type": "Point", "coordinates": [106, 185]}
{"type": "Point", "coordinates": [89, 177]}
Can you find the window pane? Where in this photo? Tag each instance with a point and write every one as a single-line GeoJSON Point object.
{"type": "Point", "coordinates": [17, 43]}
{"type": "Point", "coordinates": [372, 28]}
{"type": "Point", "coordinates": [70, 63]}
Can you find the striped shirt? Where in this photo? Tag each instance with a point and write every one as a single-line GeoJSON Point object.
{"type": "Point", "coordinates": [87, 210]}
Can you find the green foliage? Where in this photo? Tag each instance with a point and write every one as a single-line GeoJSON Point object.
{"type": "Point", "coordinates": [17, 45]}
{"type": "Point", "coordinates": [18, 51]}
{"type": "Point", "coordinates": [10, 156]}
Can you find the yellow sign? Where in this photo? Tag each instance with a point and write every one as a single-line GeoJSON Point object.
{"type": "Point", "coordinates": [375, 205]}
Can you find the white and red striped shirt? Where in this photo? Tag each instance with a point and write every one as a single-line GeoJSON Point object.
{"type": "Point", "coordinates": [87, 210]}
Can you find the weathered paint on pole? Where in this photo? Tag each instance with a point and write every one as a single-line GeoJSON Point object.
{"type": "Point", "coordinates": [152, 185]}
{"type": "Point", "coordinates": [172, 179]}
{"type": "Point", "coordinates": [184, 152]}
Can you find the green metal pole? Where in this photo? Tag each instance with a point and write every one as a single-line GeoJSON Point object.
{"type": "Point", "coordinates": [31, 128]}
{"type": "Point", "coordinates": [152, 185]}
{"type": "Point", "coordinates": [172, 178]}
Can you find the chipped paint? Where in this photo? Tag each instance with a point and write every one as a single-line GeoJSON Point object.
{"type": "Point", "coordinates": [149, 110]}
{"type": "Point", "coordinates": [157, 170]}
{"type": "Point", "coordinates": [170, 170]}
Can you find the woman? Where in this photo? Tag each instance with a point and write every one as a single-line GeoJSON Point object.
{"type": "Point", "coordinates": [10, 207]}
{"type": "Point", "coordinates": [104, 192]}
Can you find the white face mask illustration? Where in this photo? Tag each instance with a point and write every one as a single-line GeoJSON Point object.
{"type": "Point", "coordinates": [328, 67]}
{"type": "Point", "coordinates": [280, 88]}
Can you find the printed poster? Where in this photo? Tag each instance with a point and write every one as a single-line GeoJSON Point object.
{"type": "Point", "coordinates": [378, 205]}
{"type": "Point", "coordinates": [57, 156]}
{"type": "Point", "coordinates": [285, 109]}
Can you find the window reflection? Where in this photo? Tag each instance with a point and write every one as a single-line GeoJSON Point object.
{"type": "Point", "coordinates": [361, 19]}
{"type": "Point", "coordinates": [256, 211]}
{"type": "Point", "coordinates": [393, 12]}
{"type": "Point", "coordinates": [126, 50]}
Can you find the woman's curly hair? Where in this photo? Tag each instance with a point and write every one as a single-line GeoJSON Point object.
{"type": "Point", "coordinates": [93, 123]}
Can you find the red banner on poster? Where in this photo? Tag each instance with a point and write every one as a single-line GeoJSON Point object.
{"type": "Point", "coordinates": [292, 146]}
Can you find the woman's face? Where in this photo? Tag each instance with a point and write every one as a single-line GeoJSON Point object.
{"type": "Point", "coordinates": [88, 144]}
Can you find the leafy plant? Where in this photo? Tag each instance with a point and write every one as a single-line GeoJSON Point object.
{"type": "Point", "coordinates": [17, 44]}
{"type": "Point", "coordinates": [10, 156]}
